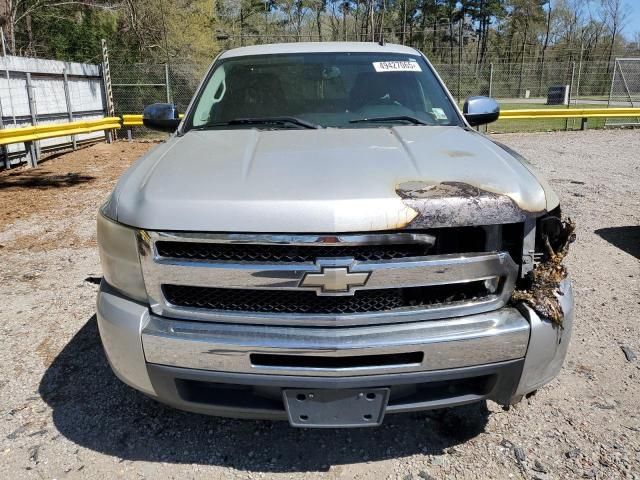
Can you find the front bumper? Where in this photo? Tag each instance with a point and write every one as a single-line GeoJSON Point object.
{"type": "Point", "coordinates": [240, 370]}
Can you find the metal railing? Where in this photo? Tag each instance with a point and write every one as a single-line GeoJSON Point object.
{"type": "Point", "coordinates": [30, 134]}
{"type": "Point", "coordinates": [524, 114]}
{"type": "Point", "coordinates": [40, 132]}
{"type": "Point", "coordinates": [132, 120]}
{"type": "Point", "coordinates": [570, 113]}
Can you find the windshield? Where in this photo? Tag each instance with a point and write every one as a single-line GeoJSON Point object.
{"type": "Point", "coordinates": [314, 90]}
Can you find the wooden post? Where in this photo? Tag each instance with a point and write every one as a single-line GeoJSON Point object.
{"type": "Point", "coordinates": [5, 152]}
{"type": "Point", "coordinates": [108, 93]}
{"type": "Point", "coordinates": [490, 79]}
{"type": "Point", "coordinates": [584, 123]}
{"type": "Point", "coordinates": [32, 147]}
{"type": "Point", "coordinates": [166, 82]}
{"type": "Point", "coordinates": [573, 72]}
{"type": "Point", "coordinates": [67, 97]}
{"type": "Point", "coordinates": [32, 154]}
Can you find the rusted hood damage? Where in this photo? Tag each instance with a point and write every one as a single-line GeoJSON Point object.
{"type": "Point", "coordinates": [542, 290]}
{"type": "Point", "coordinates": [454, 204]}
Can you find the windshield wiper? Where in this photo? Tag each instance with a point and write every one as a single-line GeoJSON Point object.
{"type": "Point", "coordinates": [396, 118]}
{"type": "Point", "coordinates": [262, 121]}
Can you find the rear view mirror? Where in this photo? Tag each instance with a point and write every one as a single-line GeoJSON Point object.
{"type": "Point", "coordinates": [480, 110]}
{"type": "Point", "coordinates": [161, 116]}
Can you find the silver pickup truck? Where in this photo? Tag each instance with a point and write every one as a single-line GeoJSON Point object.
{"type": "Point", "coordinates": [324, 238]}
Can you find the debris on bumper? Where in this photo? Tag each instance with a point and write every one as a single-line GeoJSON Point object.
{"type": "Point", "coordinates": [543, 288]}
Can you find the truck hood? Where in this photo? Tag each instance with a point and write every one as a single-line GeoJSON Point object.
{"type": "Point", "coordinates": [326, 180]}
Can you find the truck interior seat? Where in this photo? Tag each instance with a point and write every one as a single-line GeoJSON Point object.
{"type": "Point", "coordinates": [372, 88]}
{"type": "Point", "coordinates": [252, 94]}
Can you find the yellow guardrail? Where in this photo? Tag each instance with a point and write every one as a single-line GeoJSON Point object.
{"type": "Point", "coordinates": [531, 113]}
{"type": "Point", "coordinates": [135, 120]}
{"type": "Point", "coordinates": [40, 132]}
{"type": "Point", "coordinates": [522, 114]}
{"type": "Point", "coordinates": [129, 120]}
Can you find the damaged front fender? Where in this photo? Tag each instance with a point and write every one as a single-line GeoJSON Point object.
{"type": "Point", "coordinates": [456, 204]}
{"type": "Point", "coordinates": [542, 285]}
{"type": "Point", "coordinates": [548, 344]}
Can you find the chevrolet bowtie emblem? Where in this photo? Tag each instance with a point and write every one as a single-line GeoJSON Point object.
{"type": "Point", "coordinates": [334, 280]}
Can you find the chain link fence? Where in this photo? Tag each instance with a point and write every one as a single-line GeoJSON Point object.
{"type": "Point", "coordinates": [138, 85]}
{"type": "Point", "coordinates": [625, 89]}
{"type": "Point", "coordinates": [514, 85]}
{"type": "Point", "coordinates": [527, 85]}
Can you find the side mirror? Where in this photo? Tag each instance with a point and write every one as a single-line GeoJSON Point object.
{"type": "Point", "coordinates": [480, 110]}
{"type": "Point", "coordinates": [161, 116]}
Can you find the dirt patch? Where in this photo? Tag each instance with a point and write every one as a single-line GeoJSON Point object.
{"type": "Point", "coordinates": [46, 351]}
{"type": "Point", "coordinates": [75, 419]}
{"type": "Point", "coordinates": [39, 207]}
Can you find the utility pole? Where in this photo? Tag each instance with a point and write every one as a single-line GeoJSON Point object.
{"type": "Point", "coordinates": [460, 40]}
{"type": "Point", "coordinates": [373, 27]}
{"type": "Point", "coordinates": [5, 153]}
{"type": "Point", "coordinates": [6, 71]}
{"type": "Point", "coordinates": [108, 92]}
{"type": "Point", "coordinates": [575, 101]}
{"type": "Point", "coordinates": [266, 21]}
{"type": "Point", "coordinates": [345, 10]}
{"type": "Point", "coordinates": [164, 31]}
{"type": "Point", "coordinates": [404, 20]}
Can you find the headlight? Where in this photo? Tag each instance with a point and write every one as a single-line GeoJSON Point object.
{"type": "Point", "coordinates": [553, 231]}
{"type": "Point", "coordinates": [119, 258]}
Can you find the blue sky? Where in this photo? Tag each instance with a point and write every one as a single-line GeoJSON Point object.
{"type": "Point", "coordinates": [633, 23]}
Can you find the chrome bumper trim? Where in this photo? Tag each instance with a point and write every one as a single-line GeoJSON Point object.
{"type": "Point", "coordinates": [474, 340]}
{"type": "Point", "coordinates": [414, 272]}
{"type": "Point", "coordinates": [293, 239]}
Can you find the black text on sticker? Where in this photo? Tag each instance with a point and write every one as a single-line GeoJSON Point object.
{"type": "Point", "coordinates": [397, 66]}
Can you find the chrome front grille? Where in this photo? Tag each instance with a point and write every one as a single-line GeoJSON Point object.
{"type": "Point", "coordinates": [260, 279]}
{"type": "Point", "coordinates": [287, 253]}
{"type": "Point", "coordinates": [306, 302]}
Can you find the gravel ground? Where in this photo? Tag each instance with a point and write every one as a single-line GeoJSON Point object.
{"type": "Point", "coordinates": [64, 414]}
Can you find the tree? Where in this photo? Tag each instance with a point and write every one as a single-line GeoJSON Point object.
{"type": "Point", "coordinates": [185, 31]}
{"type": "Point", "coordinates": [19, 18]}
{"type": "Point", "coordinates": [319, 7]}
{"type": "Point", "coordinates": [615, 17]}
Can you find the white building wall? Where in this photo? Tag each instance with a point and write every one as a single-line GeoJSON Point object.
{"type": "Point", "coordinates": [47, 78]}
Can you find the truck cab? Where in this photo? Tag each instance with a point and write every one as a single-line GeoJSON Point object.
{"type": "Point", "coordinates": [325, 239]}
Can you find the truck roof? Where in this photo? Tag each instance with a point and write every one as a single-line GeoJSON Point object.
{"type": "Point", "coordinates": [319, 47]}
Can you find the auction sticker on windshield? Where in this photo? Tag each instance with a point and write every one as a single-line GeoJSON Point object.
{"type": "Point", "coordinates": [397, 66]}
